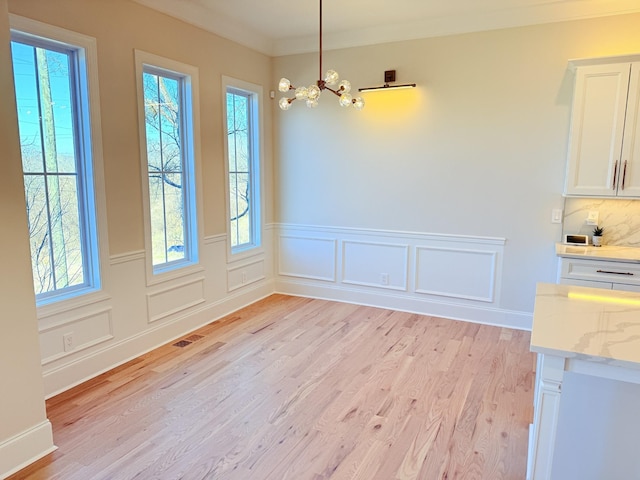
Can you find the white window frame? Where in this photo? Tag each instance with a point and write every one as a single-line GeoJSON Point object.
{"type": "Point", "coordinates": [255, 94]}
{"type": "Point", "coordinates": [191, 166]}
{"type": "Point", "coordinates": [93, 202]}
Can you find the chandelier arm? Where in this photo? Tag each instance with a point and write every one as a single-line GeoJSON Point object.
{"type": "Point", "coordinates": [335, 92]}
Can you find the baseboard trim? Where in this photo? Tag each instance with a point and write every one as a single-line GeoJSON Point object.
{"type": "Point", "coordinates": [406, 303]}
{"type": "Point", "coordinates": [25, 448]}
{"type": "Point", "coordinates": [69, 375]}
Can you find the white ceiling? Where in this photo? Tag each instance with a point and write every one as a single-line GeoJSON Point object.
{"type": "Point", "coordinates": [282, 27]}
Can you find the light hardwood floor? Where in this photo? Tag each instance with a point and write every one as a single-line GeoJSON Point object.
{"type": "Point", "coordinates": [302, 389]}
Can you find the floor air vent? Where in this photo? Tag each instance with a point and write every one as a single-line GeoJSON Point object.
{"type": "Point", "coordinates": [188, 341]}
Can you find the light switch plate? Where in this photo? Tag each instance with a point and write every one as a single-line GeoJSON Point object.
{"type": "Point", "coordinates": [592, 217]}
{"type": "Point", "coordinates": [556, 215]}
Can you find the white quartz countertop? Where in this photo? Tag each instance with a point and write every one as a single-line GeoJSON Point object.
{"type": "Point", "coordinates": [606, 252]}
{"type": "Point", "coordinates": [587, 323]}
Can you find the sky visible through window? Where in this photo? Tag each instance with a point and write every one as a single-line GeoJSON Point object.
{"type": "Point", "coordinates": [26, 85]}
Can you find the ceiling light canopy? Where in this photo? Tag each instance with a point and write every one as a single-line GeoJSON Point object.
{"type": "Point", "coordinates": [330, 81]}
{"type": "Point", "coordinates": [389, 76]}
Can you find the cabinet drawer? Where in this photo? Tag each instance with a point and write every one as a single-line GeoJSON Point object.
{"type": "Point", "coordinates": [599, 271]}
{"type": "Point", "coordinates": [626, 288]}
{"type": "Point", "coordinates": [588, 283]}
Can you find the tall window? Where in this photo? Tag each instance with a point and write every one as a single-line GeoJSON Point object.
{"type": "Point", "coordinates": [50, 83]}
{"type": "Point", "coordinates": [169, 165]}
{"type": "Point", "coordinates": [243, 169]}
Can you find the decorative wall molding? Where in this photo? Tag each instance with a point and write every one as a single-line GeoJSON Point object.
{"type": "Point", "coordinates": [126, 257]}
{"type": "Point", "coordinates": [174, 274]}
{"type": "Point", "coordinates": [451, 276]}
{"type": "Point", "coordinates": [244, 274]}
{"type": "Point", "coordinates": [141, 316]}
{"type": "Point", "coordinates": [211, 239]}
{"type": "Point", "coordinates": [463, 273]}
{"type": "Point", "coordinates": [162, 303]}
{"type": "Point", "coordinates": [309, 257]}
{"type": "Point", "coordinates": [78, 370]}
{"type": "Point", "coordinates": [368, 232]}
{"type": "Point", "coordinates": [72, 304]}
{"type": "Point", "coordinates": [88, 330]}
{"type": "Point", "coordinates": [482, 314]}
{"type": "Point", "coordinates": [297, 260]}
{"type": "Point", "coordinates": [388, 271]}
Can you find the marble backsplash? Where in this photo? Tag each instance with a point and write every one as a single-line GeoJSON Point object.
{"type": "Point", "coordinates": [619, 218]}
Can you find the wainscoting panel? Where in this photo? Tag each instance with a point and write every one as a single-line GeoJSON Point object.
{"type": "Point", "coordinates": [452, 276]}
{"type": "Point", "coordinates": [382, 265]}
{"type": "Point", "coordinates": [83, 332]}
{"type": "Point", "coordinates": [456, 272]}
{"type": "Point", "coordinates": [175, 298]}
{"type": "Point", "coordinates": [130, 317]}
{"type": "Point", "coordinates": [137, 317]}
{"type": "Point", "coordinates": [245, 274]}
{"type": "Point", "coordinates": [308, 257]}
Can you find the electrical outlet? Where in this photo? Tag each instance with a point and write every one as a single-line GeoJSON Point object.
{"type": "Point", "coordinates": [592, 218]}
{"type": "Point", "coordinates": [384, 279]}
{"type": "Point", "coordinates": [67, 340]}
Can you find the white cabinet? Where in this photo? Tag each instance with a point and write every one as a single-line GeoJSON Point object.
{"type": "Point", "coordinates": [610, 275]}
{"type": "Point", "coordinates": [604, 144]}
{"type": "Point", "coordinates": [626, 288]}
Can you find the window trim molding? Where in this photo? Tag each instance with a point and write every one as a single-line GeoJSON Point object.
{"type": "Point", "coordinates": [193, 171]}
{"type": "Point", "coordinates": [90, 117]}
{"type": "Point", "coordinates": [256, 91]}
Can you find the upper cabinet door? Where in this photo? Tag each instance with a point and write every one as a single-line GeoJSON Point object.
{"type": "Point", "coordinates": [597, 126]}
{"type": "Point", "coordinates": [629, 185]}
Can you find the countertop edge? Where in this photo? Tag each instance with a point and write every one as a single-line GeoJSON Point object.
{"type": "Point", "coordinates": [595, 323]}
{"type": "Point", "coordinates": [608, 253]}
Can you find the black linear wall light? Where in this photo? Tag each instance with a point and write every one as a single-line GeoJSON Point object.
{"type": "Point", "coordinates": [389, 77]}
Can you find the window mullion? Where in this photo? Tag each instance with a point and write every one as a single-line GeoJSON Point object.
{"type": "Point", "coordinates": [45, 177]}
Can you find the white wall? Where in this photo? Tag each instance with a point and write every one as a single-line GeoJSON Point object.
{"type": "Point", "coordinates": [25, 432]}
{"type": "Point", "coordinates": [478, 149]}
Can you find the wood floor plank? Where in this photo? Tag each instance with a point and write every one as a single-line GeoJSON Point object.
{"type": "Point", "coordinates": [296, 388]}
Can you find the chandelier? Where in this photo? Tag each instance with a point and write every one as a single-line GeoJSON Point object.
{"type": "Point", "coordinates": [312, 93]}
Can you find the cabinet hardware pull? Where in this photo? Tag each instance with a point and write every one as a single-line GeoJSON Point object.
{"type": "Point", "coordinates": [624, 174]}
{"type": "Point", "coordinates": [616, 273]}
{"type": "Point", "coordinates": [615, 175]}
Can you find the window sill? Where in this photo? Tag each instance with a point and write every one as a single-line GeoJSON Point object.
{"type": "Point", "coordinates": [68, 304]}
{"type": "Point", "coordinates": [239, 255]}
{"type": "Point", "coordinates": [173, 274]}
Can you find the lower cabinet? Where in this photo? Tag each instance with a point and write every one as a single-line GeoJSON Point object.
{"type": "Point", "coordinates": [627, 288]}
{"type": "Point", "coordinates": [610, 275]}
